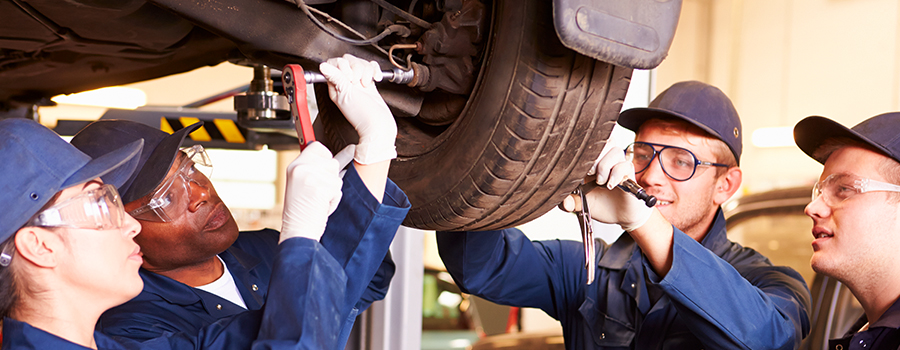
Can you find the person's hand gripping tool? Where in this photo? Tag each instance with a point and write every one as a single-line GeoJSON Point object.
{"type": "Point", "coordinates": [584, 216]}
{"type": "Point", "coordinates": [295, 89]}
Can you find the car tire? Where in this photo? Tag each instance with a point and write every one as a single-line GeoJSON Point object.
{"type": "Point", "coordinates": [537, 118]}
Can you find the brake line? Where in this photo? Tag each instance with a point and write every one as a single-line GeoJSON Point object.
{"type": "Point", "coordinates": [370, 41]}
{"type": "Point", "coordinates": [406, 15]}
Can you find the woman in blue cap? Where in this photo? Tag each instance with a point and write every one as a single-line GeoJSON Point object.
{"type": "Point", "coordinates": [67, 254]}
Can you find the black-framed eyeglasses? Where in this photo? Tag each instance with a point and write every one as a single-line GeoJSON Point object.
{"type": "Point", "coordinates": [678, 163]}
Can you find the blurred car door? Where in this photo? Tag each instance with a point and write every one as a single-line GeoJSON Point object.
{"type": "Point", "coordinates": [774, 224]}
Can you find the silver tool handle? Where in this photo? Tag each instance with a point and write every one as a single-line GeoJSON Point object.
{"type": "Point", "coordinates": [587, 235]}
{"type": "Point", "coordinates": [396, 76]}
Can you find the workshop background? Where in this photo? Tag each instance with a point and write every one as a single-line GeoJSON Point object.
{"type": "Point", "coordinates": [778, 60]}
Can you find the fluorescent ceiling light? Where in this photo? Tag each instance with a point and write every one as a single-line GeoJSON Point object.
{"type": "Point", "coordinates": [109, 97]}
{"type": "Point", "coordinates": [773, 137]}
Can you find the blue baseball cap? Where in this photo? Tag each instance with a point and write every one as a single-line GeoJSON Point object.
{"type": "Point", "coordinates": [879, 132]}
{"type": "Point", "coordinates": [697, 103]}
{"type": "Point", "coordinates": [37, 164]}
{"type": "Point", "coordinates": [160, 149]}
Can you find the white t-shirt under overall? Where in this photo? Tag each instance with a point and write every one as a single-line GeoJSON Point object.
{"type": "Point", "coordinates": [225, 287]}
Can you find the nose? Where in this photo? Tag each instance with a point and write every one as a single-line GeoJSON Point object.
{"type": "Point", "coordinates": [817, 208]}
{"type": "Point", "coordinates": [199, 194]}
{"type": "Point", "coordinates": [132, 227]}
{"type": "Point", "coordinates": [653, 175]}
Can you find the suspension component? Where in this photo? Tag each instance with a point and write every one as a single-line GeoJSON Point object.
{"type": "Point", "coordinates": [261, 102]}
{"type": "Point", "coordinates": [448, 49]}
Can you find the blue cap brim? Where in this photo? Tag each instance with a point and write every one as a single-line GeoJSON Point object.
{"type": "Point", "coordinates": [633, 118]}
{"type": "Point", "coordinates": [118, 165]}
{"type": "Point", "coordinates": [154, 170]}
{"type": "Point", "coordinates": [811, 132]}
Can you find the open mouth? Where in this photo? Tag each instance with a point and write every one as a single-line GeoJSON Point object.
{"type": "Point", "coordinates": [819, 233]}
{"type": "Point", "coordinates": [659, 200]}
{"type": "Point", "coordinates": [820, 236]}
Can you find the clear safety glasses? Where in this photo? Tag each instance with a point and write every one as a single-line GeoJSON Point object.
{"type": "Point", "coordinates": [7, 254]}
{"type": "Point", "coordinates": [171, 198]}
{"type": "Point", "coordinates": [678, 163]}
{"type": "Point", "coordinates": [836, 188]}
{"type": "Point", "coordinates": [97, 209]}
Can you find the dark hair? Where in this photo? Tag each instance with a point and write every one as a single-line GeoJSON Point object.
{"type": "Point", "coordinates": [10, 282]}
{"type": "Point", "coordinates": [9, 286]}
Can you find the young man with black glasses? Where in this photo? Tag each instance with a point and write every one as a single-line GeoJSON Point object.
{"type": "Point", "coordinates": [674, 280]}
{"type": "Point", "coordinates": [856, 220]}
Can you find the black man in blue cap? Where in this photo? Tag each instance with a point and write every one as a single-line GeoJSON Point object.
{"type": "Point", "coordinates": [199, 268]}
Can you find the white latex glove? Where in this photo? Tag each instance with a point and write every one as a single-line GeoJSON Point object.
{"type": "Point", "coordinates": [351, 85]}
{"type": "Point", "coordinates": [312, 193]}
{"type": "Point", "coordinates": [344, 157]}
{"type": "Point", "coordinates": [609, 204]}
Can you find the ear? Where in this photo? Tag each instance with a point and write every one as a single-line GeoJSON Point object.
{"type": "Point", "coordinates": [727, 185]}
{"type": "Point", "coordinates": [39, 246]}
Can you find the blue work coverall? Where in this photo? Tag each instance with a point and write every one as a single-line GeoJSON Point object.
{"type": "Point", "coordinates": [302, 314]}
{"type": "Point", "coordinates": [718, 295]}
{"type": "Point", "coordinates": [882, 334]}
{"type": "Point", "coordinates": [358, 235]}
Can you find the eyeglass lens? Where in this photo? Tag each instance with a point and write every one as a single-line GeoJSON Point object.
{"type": "Point", "coordinates": [174, 195]}
{"type": "Point", "coordinates": [95, 209]}
{"type": "Point", "coordinates": [676, 162]}
{"type": "Point", "coordinates": [836, 189]}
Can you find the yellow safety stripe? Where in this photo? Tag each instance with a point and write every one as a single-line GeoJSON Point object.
{"type": "Point", "coordinates": [229, 130]}
{"type": "Point", "coordinates": [198, 135]}
{"type": "Point", "coordinates": [165, 126]}
{"type": "Point", "coordinates": [220, 129]}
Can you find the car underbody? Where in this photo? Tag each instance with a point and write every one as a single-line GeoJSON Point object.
{"type": "Point", "coordinates": [509, 102]}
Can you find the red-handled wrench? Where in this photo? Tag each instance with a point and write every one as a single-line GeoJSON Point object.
{"type": "Point", "coordinates": [295, 79]}
{"type": "Point", "coordinates": [295, 89]}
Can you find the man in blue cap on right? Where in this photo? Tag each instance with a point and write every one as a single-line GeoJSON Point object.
{"type": "Point", "coordinates": [856, 220]}
{"type": "Point", "coordinates": [673, 280]}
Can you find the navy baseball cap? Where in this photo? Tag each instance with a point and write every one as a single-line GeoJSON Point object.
{"type": "Point", "coordinates": [160, 149]}
{"type": "Point", "coordinates": [37, 164]}
{"type": "Point", "coordinates": [879, 132]}
{"type": "Point", "coordinates": [697, 103]}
